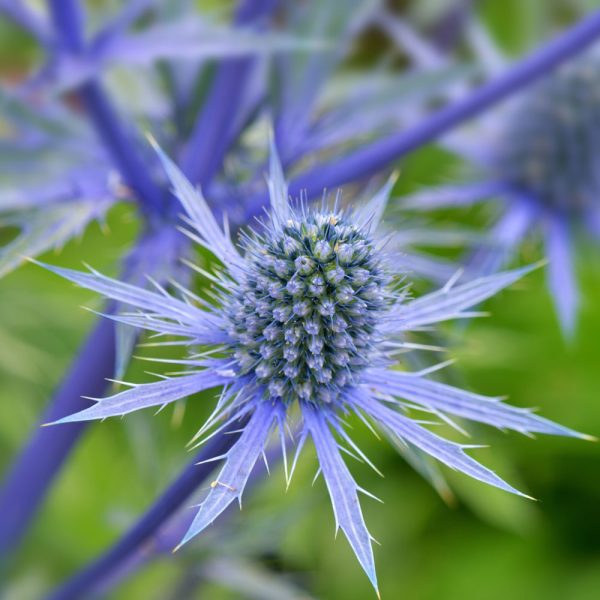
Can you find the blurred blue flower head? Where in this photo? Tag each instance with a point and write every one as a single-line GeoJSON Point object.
{"type": "Point", "coordinates": [545, 163]}
{"type": "Point", "coordinates": [539, 154]}
{"type": "Point", "coordinates": [311, 316]}
{"type": "Point", "coordinates": [549, 147]}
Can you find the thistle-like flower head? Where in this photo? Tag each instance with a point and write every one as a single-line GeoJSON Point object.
{"type": "Point", "coordinates": [304, 318]}
{"type": "Point", "coordinates": [308, 315]}
{"type": "Point", "coordinates": [549, 146]}
{"type": "Point", "coordinates": [539, 155]}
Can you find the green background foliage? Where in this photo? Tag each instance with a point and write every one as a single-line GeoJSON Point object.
{"type": "Point", "coordinates": [485, 545]}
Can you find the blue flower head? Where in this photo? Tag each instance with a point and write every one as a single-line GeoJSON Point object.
{"type": "Point", "coordinates": [309, 313]}
{"type": "Point", "coordinates": [550, 143]}
{"type": "Point", "coordinates": [547, 159]}
{"type": "Point", "coordinates": [539, 154]}
{"type": "Point", "coordinates": [545, 163]}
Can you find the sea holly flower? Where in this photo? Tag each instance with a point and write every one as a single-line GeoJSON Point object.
{"type": "Point", "coordinates": [309, 313]}
{"type": "Point", "coordinates": [69, 159]}
{"type": "Point", "coordinates": [536, 159]}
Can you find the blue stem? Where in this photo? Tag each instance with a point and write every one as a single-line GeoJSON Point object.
{"type": "Point", "coordinates": [124, 154]}
{"type": "Point", "coordinates": [371, 158]}
{"type": "Point", "coordinates": [168, 536]}
{"type": "Point", "coordinates": [212, 134]}
{"type": "Point", "coordinates": [81, 585]}
{"type": "Point", "coordinates": [209, 140]}
{"type": "Point", "coordinates": [34, 469]}
{"type": "Point", "coordinates": [67, 18]}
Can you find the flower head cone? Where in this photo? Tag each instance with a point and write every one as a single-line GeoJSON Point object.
{"type": "Point", "coordinates": [310, 312]}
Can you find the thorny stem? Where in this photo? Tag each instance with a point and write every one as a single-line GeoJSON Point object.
{"type": "Point", "coordinates": [371, 158]}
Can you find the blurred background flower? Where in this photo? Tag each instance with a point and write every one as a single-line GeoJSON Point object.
{"type": "Point", "coordinates": [535, 161]}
